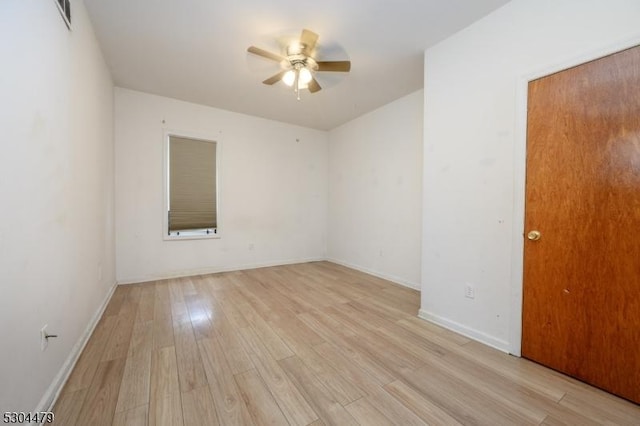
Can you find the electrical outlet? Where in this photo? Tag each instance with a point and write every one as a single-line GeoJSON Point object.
{"type": "Point", "coordinates": [469, 291]}
{"type": "Point", "coordinates": [44, 342]}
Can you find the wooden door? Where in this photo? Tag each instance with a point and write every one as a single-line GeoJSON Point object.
{"type": "Point", "coordinates": [581, 311]}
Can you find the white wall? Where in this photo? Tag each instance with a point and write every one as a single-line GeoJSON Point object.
{"type": "Point", "coordinates": [56, 194]}
{"type": "Point", "coordinates": [273, 190]}
{"type": "Point", "coordinates": [375, 187]}
{"type": "Point", "coordinates": [474, 118]}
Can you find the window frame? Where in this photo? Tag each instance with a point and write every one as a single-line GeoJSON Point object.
{"type": "Point", "coordinates": [189, 234]}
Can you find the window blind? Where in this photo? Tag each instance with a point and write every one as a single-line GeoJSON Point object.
{"type": "Point", "coordinates": [192, 184]}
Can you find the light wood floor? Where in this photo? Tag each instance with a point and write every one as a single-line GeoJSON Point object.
{"type": "Point", "coordinates": [309, 344]}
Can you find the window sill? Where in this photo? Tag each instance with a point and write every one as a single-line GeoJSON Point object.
{"type": "Point", "coordinates": [192, 234]}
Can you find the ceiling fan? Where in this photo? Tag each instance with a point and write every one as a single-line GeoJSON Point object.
{"type": "Point", "coordinates": [299, 64]}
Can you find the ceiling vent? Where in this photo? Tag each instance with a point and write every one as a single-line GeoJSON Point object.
{"type": "Point", "coordinates": [64, 6]}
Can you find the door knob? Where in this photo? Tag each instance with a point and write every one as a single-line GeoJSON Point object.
{"type": "Point", "coordinates": [534, 235]}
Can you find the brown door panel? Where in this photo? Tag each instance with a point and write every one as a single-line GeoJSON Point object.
{"type": "Point", "coordinates": [581, 309]}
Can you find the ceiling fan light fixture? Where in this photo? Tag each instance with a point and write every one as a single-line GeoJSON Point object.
{"type": "Point", "coordinates": [305, 76]}
{"type": "Point", "coordinates": [299, 66]}
{"type": "Point", "coordinates": [289, 77]}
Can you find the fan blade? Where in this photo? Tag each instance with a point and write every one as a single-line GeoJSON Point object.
{"type": "Point", "coordinates": [309, 40]}
{"type": "Point", "coordinates": [313, 85]}
{"type": "Point", "coordinates": [340, 66]}
{"type": "Point", "coordinates": [276, 78]}
{"type": "Point", "coordinates": [265, 54]}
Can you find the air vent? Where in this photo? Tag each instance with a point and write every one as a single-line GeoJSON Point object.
{"type": "Point", "coordinates": [64, 6]}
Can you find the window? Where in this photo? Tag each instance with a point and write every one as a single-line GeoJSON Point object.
{"type": "Point", "coordinates": [191, 188]}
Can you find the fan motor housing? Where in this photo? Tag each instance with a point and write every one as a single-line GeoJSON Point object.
{"type": "Point", "coordinates": [300, 61]}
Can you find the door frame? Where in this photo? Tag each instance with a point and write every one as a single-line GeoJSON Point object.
{"type": "Point", "coordinates": [519, 175]}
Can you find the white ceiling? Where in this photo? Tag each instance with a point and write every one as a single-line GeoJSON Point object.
{"type": "Point", "coordinates": [196, 50]}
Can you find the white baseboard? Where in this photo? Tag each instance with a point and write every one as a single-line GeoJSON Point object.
{"type": "Point", "coordinates": [51, 395]}
{"type": "Point", "coordinates": [471, 333]}
{"type": "Point", "coordinates": [203, 271]}
{"type": "Point", "coordinates": [394, 279]}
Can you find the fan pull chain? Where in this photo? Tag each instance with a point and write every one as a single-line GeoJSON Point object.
{"type": "Point", "coordinates": [296, 83]}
